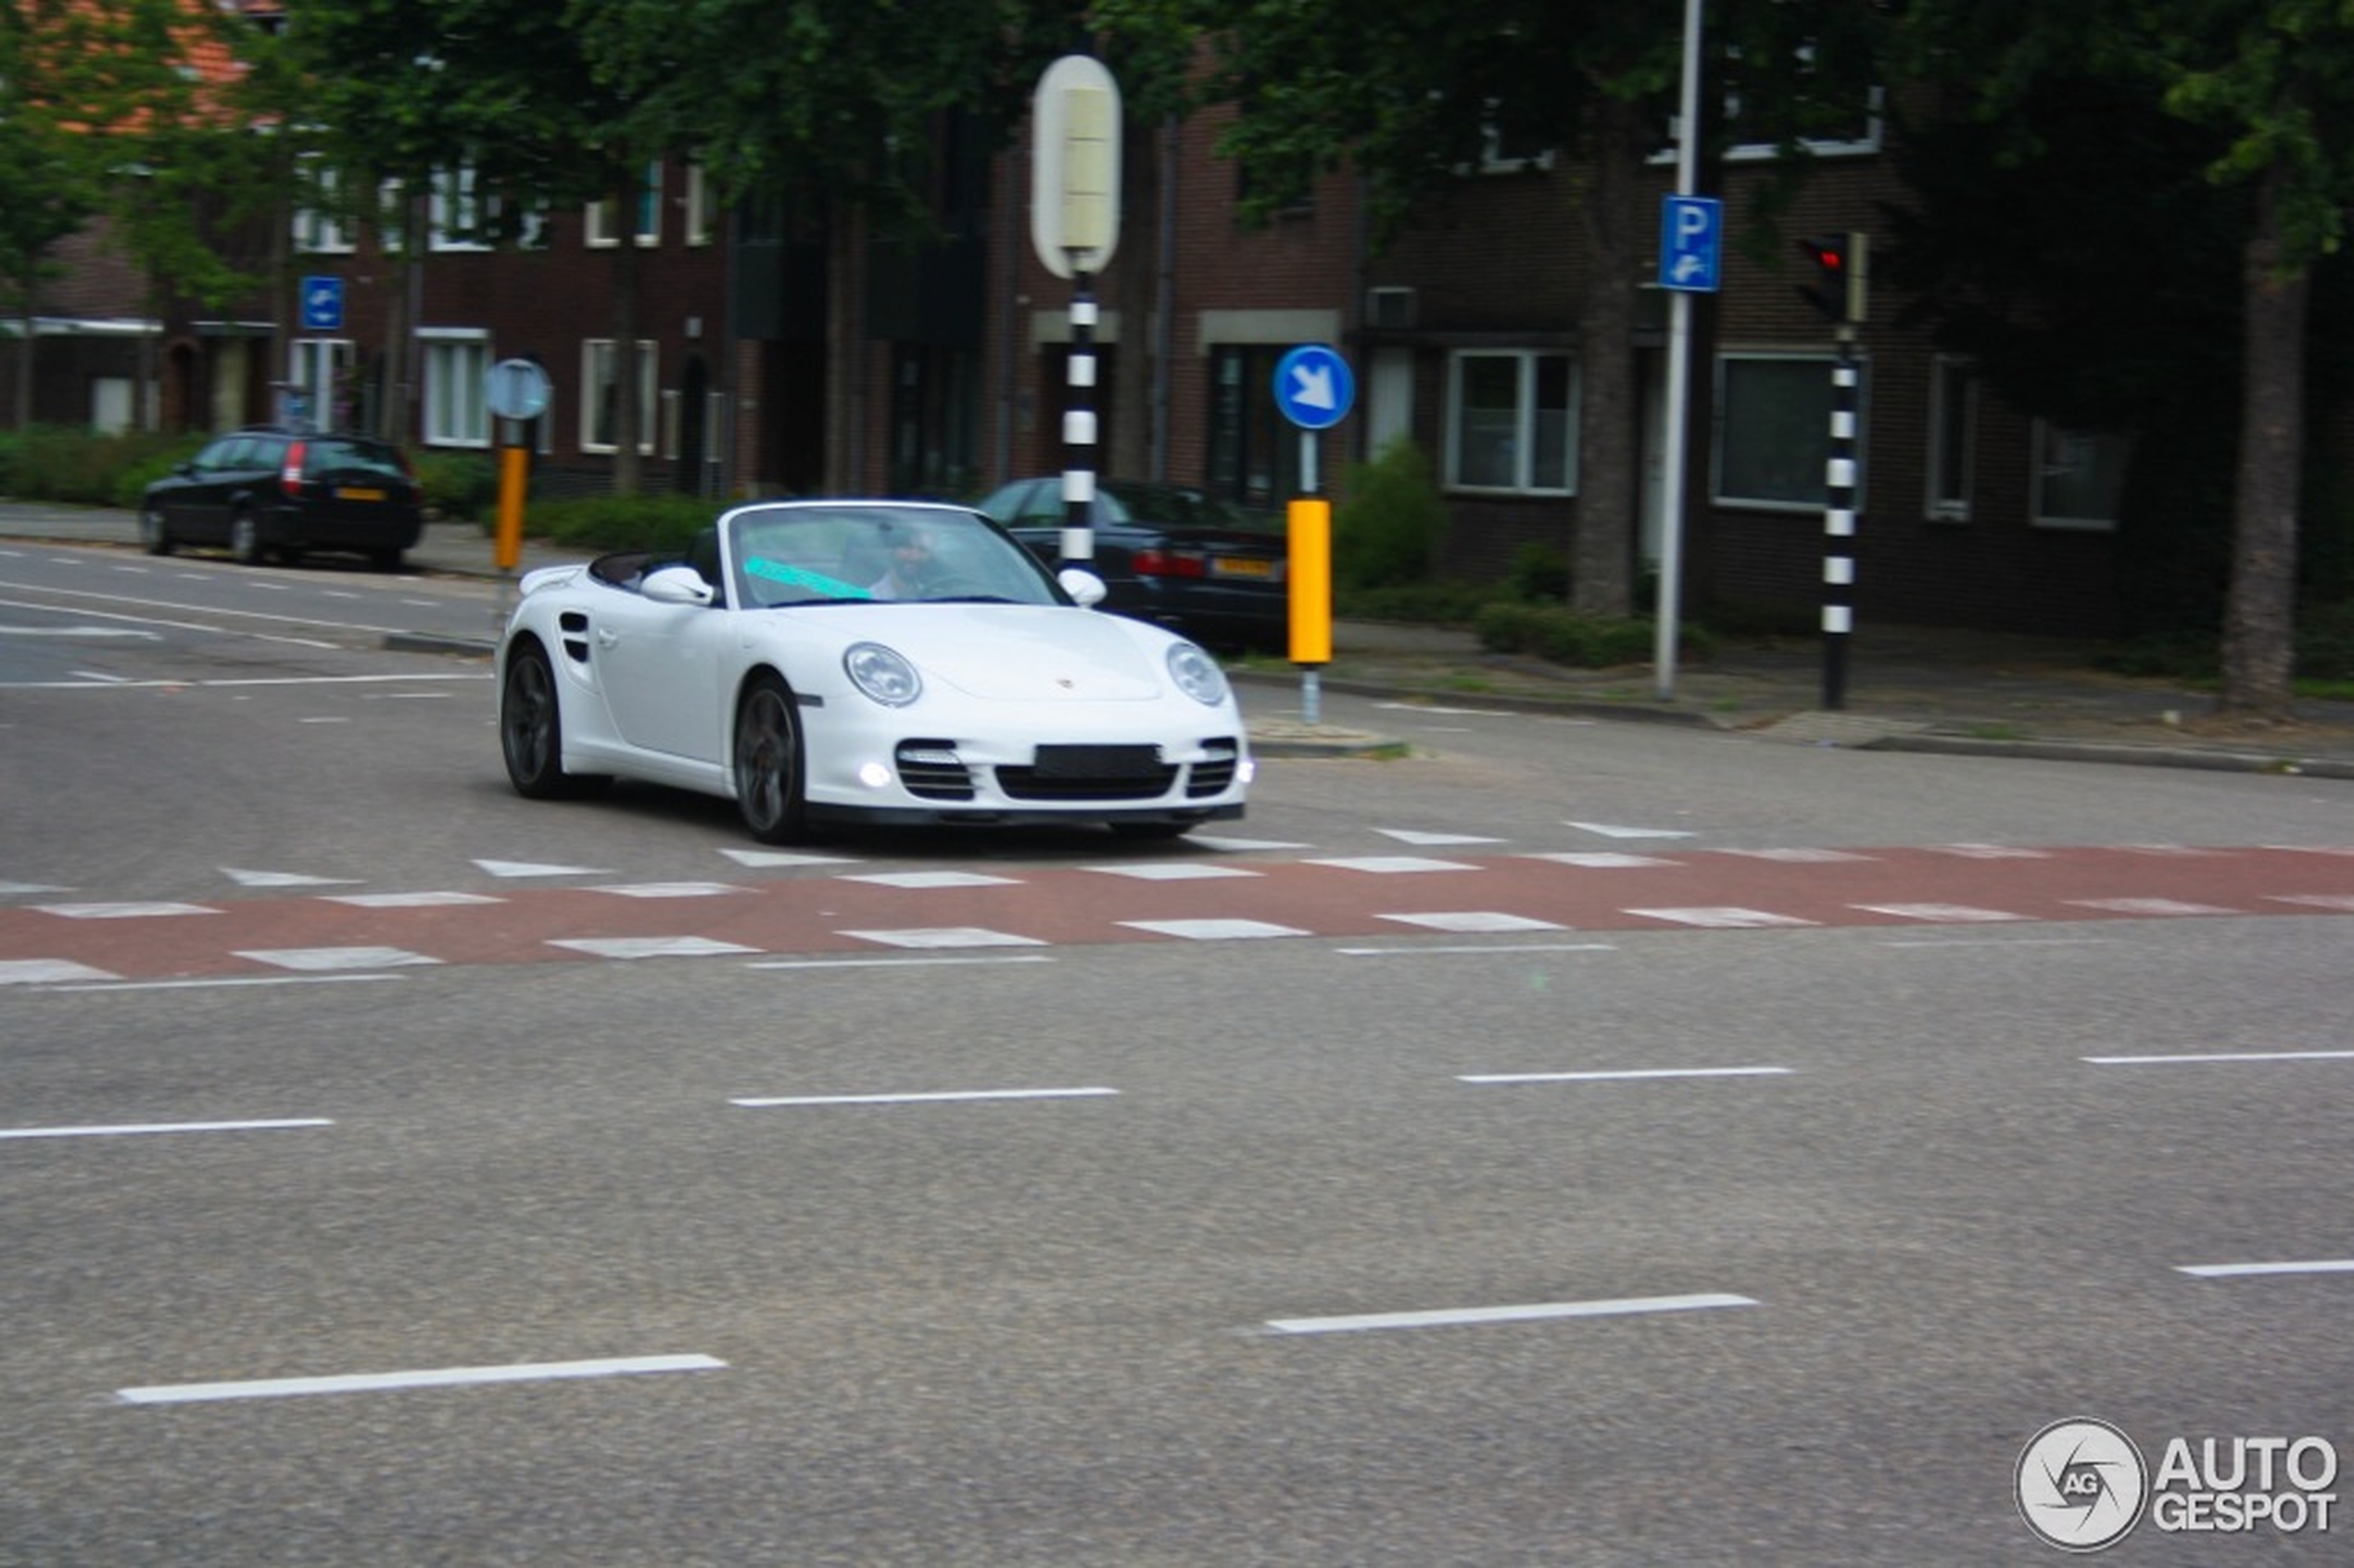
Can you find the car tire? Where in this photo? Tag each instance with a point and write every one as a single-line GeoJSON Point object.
{"type": "Point", "coordinates": [244, 538]}
{"type": "Point", "coordinates": [155, 536]}
{"type": "Point", "coordinates": [531, 735]}
{"type": "Point", "coordinates": [768, 763]}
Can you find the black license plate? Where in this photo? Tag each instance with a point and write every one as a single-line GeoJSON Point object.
{"type": "Point", "coordinates": [1097, 762]}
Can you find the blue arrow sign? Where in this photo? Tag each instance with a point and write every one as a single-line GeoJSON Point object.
{"type": "Point", "coordinates": [1314, 386]}
{"type": "Point", "coordinates": [1691, 235]}
{"type": "Point", "coordinates": [323, 304]}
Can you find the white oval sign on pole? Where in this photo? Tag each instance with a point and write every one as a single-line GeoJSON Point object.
{"type": "Point", "coordinates": [1074, 166]}
{"type": "Point", "coordinates": [516, 389]}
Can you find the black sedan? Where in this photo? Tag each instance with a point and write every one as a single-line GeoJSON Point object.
{"type": "Point", "coordinates": [1168, 554]}
{"type": "Point", "coordinates": [267, 492]}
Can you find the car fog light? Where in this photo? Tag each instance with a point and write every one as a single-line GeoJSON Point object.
{"type": "Point", "coordinates": [874, 775]}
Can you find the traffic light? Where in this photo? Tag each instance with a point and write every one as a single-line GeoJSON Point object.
{"type": "Point", "coordinates": [1842, 265]}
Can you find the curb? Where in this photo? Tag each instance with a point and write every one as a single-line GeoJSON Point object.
{"type": "Point", "coordinates": [2286, 765]}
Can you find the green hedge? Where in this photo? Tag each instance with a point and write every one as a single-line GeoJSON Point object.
{"type": "Point", "coordinates": [1567, 638]}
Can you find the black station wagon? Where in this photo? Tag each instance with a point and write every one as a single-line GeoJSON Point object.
{"type": "Point", "coordinates": [269, 493]}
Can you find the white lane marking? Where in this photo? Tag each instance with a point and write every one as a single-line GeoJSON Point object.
{"type": "Point", "coordinates": [141, 1128]}
{"type": "Point", "coordinates": [1482, 950]}
{"type": "Point", "coordinates": [175, 684]}
{"type": "Point", "coordinates": [882, 963]}
{"type": "Point", "coordinates": [532, 869]}
{"type": "Point", "coordinates": [2151, 906]}
{"type": "Point", "coordinates": [1797, 856]}
{"type": "Point", "coordinates": [2315, 901]}
{"type": "Point", "coordinates": [1433, 840]}
{"type": "Point", "coordinates": [2222, 1057]}
{"type": "Point", "coordinates": [444, 1377]}
{"type": "Point", "coordinates": [1989, 852]}
{"type": "Point", "coordinates": [1391, 865]}
{"type": "Point", "coordinates": [318, 960]}
{"type": "Point", "coordinates": [1613, 830]}
{"type": "Point", "coordinates": [1466, 921]}
{"type": "Point", "coordinates": [81, 632]}
{"type": "Point", "coordinates": [669, 889]}
{"type": "Point", "coordinates": [282, 878]}
{"type": "Point", "coordinates": [1214, 930]}
{"type": "Point", "coordinates": [1534, 1312]}
{"type": "Point", "coordinates": [942, 1096]}
{"type": "Point", "coordinates": [930, 880]}
{"type": "Point", "coordinates": [945, 936]}
{"type": "Point", "coordinates": [1947, 914]}
{"type": "Point", "coordinates": [785, 857]}
{"type": "Point", "coordinates": [1210, 841]}
{"type": "Point", "coordinates": [1939, 942]}
{"type": "Point", "coordinates": [12, 890]}
{"type": "Point", "coordinates": [2310, 848]}
{"type": "Point", "coordinates": [233, 983]}
{"type": "Point", "coordinates": [47, 971]}
{"type": "Point", "coordinates": [324, 719]}
{"type": "Point", "coordinates": [1622, 1075]}
{"type": "Point", "coordinates": [1602, 860]}
{"type": "Point", "coordinates": [120, 911]}
{"type": "Point", "coordinates": [2252, 1270]}
{"type": "Point", "coordinates": [409, 900]}
{"type": "Point", "coordinates": [2165, 850]}
{"type": "Point", "coordinates": [1720, 918]}
{"type": "Point", "coordinates": [1170, 871]}
{"type": "Point", "coordinates": [653, 947]}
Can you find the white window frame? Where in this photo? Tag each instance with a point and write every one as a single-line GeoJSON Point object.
{"type": "Point", "coordinates": [596, 375]}
{"type": "Point", "coordinates": [1524, 436]}
{"type": "Point", "coordinates": [456, 365]}
{"type": "Point", "coordinates": [1951, 376]}
{"type": "Point", "coordinates": [454, 211]}
{"type": "Point", "coordinates": [1809, 497]}
{"type": "Point", "coordinates": [319, 230]}
{"type": "Point", "coordinates": [701, 211]}
{"type": "Point", "coordinates": [2059, 451]}
{"type": "Point", "coordinates": [309, 362]}
{"type": "Point", "coordinates": [603, 220]}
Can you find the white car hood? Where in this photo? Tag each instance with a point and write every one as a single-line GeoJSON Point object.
{"type": "Point", "coordinates": [1015, 653]}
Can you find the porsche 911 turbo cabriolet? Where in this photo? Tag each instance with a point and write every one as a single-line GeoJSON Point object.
{"type": "Point", "coordinates": [878, 661]}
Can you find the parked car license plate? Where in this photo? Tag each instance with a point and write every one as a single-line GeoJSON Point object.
{"type": "Point", "coordinates": [347, 492]}
{"type": "Point", "coordinates": [1241, 566]}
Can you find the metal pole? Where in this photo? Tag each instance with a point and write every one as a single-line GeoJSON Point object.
{"type": "Point", "coordinates": [1839, 526]}
{"type": "Point", "coordinates": [1666, 632]}
{"type": "Point", "coordinates": [1079, 428]}
{"type": "Point", "coordinates": [1311, 686]}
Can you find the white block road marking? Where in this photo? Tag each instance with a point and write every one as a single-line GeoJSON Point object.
{"type": "Point", "coordinates": [528, 868]}
{"type": "Point", "coordinates": [445, 1377]}
{"type": "Point", "coordinates": [653, 947]}
{"type": "Point", "coordinates": [2250, 1270]}
{"type": "Point", "coordinates": [1210, 841]}
{"type": "Point", "coordinates": [1722, 917]}
{"type": "Point", "coordinates": [895, 963]}
{"type": "Point", "coordinates": [1392, 864]}
{"type": "Point", "coordinates": [1483, 949]}
{"type": "Point", "coordinates": [121, 911]}
{"type": "Point", "coordinates": [1798, 856]}
{"type": "Point", "coordinates": [1611, 830]}
{"type": "Point", "coordinates": [282, 878]}
{"type": "Point", "coordinates": [2311, 849]}
{"type": "Point", "coordinates": [1536, 1313]}
{"type": "Point", "coordinates": [2152, 907]}
{"type": "Point", "coordinates": [2223, 1056]}
{"type": "Point", "coordinates": [317, 960]}
{"type": "Point", "coordinates": [942, 1096]}
{"type": "Point", "coordinates": [133, 1129]}
{"type": "Point", "coordinates": [1989, 852]}
{"type": "Point", "coordinates": [323, 720]}
{"type": "Point", "coordinates": [1172, 871]}
{"type": "Point", "coordinates": [410, 900]}
{"type": "Point", "coordinates": [2165, 850]}
{"type": "Point", "coordinates": [47, 971]}
{"type": "Point", "coordinates": [930, 880]}
{"type": "Point", "coordinates": [945, 936]}
{"type": "Point", "coordinates": [668, 890]}
{"type": "Point", "coordinates": [785, 857]}
{"type": "Point", "coordinates": [1432, 840]}
{"type": "Point", "coordinates": [1467, 920]}
{"type": "Point", "coordinates": [1622, 1075]}
{"type": "Point", "coordinates": [2315, 901]}
{"type": "Point", "coordinates": [1603, 860]}
{"type": "Point", "coordinates": [1947, 914]}
{"type": "Point", "coordinates": [1214, 930]}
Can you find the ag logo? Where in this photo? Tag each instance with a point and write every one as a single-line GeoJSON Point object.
{"type": "Point", "coordinates": [2080, 1485]}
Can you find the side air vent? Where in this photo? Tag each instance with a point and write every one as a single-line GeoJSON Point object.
{"type": "Point", "coordinates": [1393, 309]}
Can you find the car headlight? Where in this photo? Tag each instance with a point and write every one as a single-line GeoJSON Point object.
{"type": "Point", "coordinates": [883, 673]}
{"type": "Point", "coordinates": [1197, 675]}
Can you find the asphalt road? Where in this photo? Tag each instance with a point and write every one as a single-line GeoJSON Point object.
{"type": "Point", "coordinates": [1490, 1209]}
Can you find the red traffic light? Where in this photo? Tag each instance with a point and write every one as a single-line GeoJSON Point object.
{"type": "Point", "coordinates": [1839, 260]}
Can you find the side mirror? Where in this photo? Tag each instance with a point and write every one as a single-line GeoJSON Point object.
{"type": "Point", "coordinates": [677, 585]}
{"type": "Point", "coordinates": [1083, 586]}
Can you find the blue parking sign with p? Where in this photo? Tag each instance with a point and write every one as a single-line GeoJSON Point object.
{"type": "Point", "coordinates": [1691, 243]}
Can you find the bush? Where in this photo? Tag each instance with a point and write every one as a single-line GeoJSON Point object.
{"type": "Point", "coordinates": [1564, 636]}
{"type": "Point", "coordinates": [464, 486]}
{"type": "Point", "coordinates": [657, 523]}
{"type": "Point", "coordinates": [1434, 600]}
{"type": "Point", "coordinates": [2326, 641]}
{"type": "Point", "coordinates": [1540, 574]}
{"type": "Point", "coordinates": [53, 463]}
{"type": "Point", "coordinates": [1386, 532]}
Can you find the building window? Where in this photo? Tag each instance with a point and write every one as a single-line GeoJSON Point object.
{"type": "Point", "coordinates": [2078, 477]}
{"type": "Point", "coordinates": [318, 227]}
{"type": "Point", "coordinates": [1511, 422]}
{"type": "Point", "coordinates": [1254, 453]}
{"type": "Point", "coordinates": [1953, 438]}
{"type": "Point", "coordinates": [317, 391]}
{"type": "Point", "coordinates": [457, 218]}
{"type": "Point", "coordinates": [457, 369]}
{"type": "Point", "coordinates": [605, 225]}
{"type": "Point", "coordinates": [1774, 430]}
{"type": "Point", "coordinates": [701, 211]}
{"type": "Point", "coordinates": [600, 402]}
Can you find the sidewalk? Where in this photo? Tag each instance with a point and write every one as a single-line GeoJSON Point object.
{"type": "Point", "coordinates": [1908, 689]}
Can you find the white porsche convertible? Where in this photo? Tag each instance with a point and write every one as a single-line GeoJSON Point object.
{"type": "Point", "coordinates": [883, 661]}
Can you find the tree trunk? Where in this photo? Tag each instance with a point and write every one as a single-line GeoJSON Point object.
{"type": "Point", "coordinates": [2260, 614]}
{"type": "Point", "coordinates": [1604, 554]}
{"type": "Point", "coordinates": [628, 418]}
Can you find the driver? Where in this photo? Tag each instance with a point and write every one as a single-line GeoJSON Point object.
{"type": "Point", "coordinates": [910, 566]}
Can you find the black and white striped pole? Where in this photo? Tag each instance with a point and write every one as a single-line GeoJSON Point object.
{"type": "Point", "coordinates": [1074, 224]}
{"type": "Point", "coordinates": [1842, 263]}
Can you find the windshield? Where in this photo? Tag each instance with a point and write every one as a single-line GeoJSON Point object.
{"type": "Point", "coordinates": [870, 553]}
